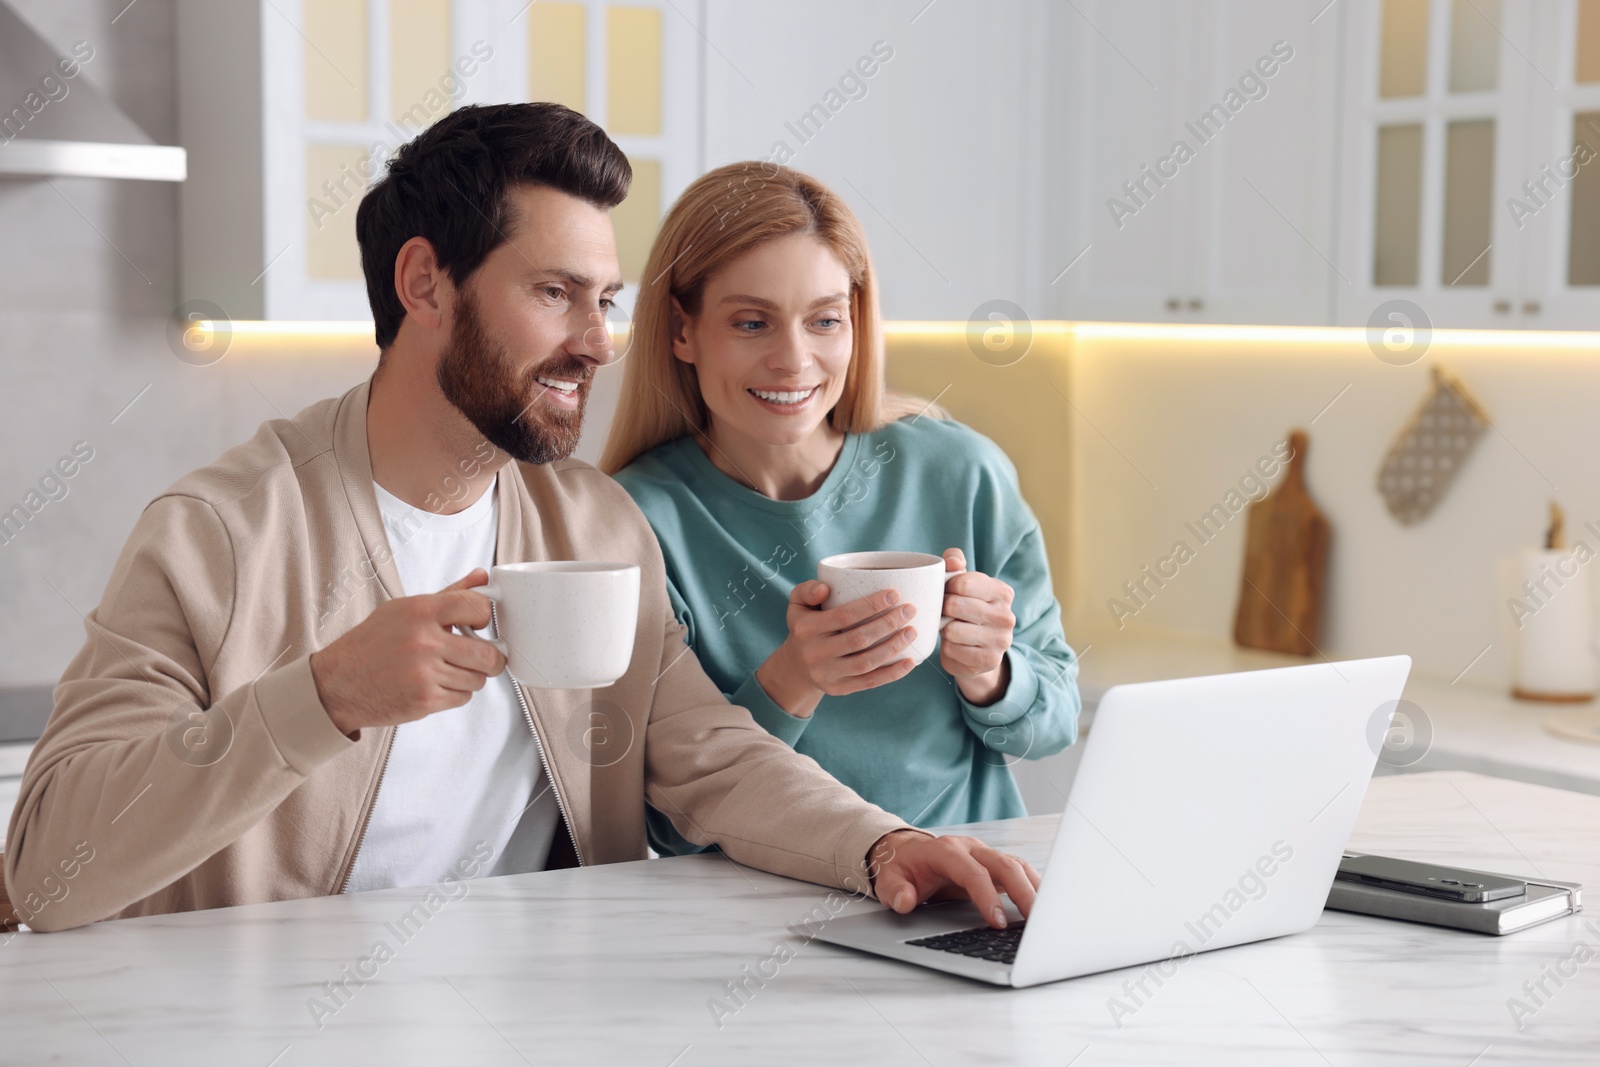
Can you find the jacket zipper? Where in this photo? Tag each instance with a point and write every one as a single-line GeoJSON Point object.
{"type": "Point", "coordinates": [538, 743]}
{"type": "Point", "coordinates": [362, 837]}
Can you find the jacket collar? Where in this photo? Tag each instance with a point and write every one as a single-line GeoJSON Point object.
{"type": "Point", "coordinates": [354, 461]}
{"type": "Point", "coordinates": [353, 458]}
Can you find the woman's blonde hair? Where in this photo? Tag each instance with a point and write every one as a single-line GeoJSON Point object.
{"type": "Point", "coordinates": [720, 217]}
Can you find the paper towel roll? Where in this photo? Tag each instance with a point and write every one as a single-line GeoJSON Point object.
{"type": "Point", "coordinates": [1553, 626]}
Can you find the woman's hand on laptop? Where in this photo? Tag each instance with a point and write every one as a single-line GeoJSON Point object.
{"type": "Point", "coordinates": [909, 867]}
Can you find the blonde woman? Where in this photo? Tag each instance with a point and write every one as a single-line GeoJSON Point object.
{"type": "Point", "coordinates": [756, 435]}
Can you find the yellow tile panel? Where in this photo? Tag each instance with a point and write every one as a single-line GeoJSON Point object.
{"type": "Point", "coordinates": [419, 59]}
{"type": "Point", "coordinates": [637, 218]}
{"type": "Point", "coordinates": [336, 60]}
{"type": "Point", "coordinates": [334, 186]}
{"type": "Point", "coordinates": [633, 71]}
{"type": "Point", "coordinates": [556, 54]}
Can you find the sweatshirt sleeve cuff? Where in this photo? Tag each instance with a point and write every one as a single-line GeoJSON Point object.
{"type": "Point", "coordinates": [768, 714]}
{"type": "Point", "coordinates": [294, 716]}
{"type": "Point", "coordinates": [1021, 691]}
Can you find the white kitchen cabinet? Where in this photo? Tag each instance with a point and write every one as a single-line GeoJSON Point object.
{"type": "Point", "coordinates": [1466, 128]}
{"type": "Point", "coordinates": [1120, 92]}
{"type": "Point", "coordinates": [1560, 279]}
{"type": "Point", "coordinates": [1262, 250]}
{"type": "Point", "coordinates": [1192, 151]}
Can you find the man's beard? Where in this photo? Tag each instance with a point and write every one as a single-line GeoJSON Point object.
{"type": "Point", "coordinates": [477, 376]}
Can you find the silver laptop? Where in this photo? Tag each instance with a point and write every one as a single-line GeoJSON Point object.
{"type": "Point", "coordinates": [1206, 812]}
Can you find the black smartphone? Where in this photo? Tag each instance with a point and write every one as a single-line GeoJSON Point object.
{"type": "Point", "coordinates": [1428, 879]}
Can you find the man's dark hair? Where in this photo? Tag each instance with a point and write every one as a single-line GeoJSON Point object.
{"type": "Point", "coordinates": [449, 186]}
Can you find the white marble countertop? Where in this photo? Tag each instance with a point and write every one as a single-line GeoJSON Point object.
{"type": "Point", "coordinates": [1473, 727]}
{"type": "Point", "coordinates": [621, 964]}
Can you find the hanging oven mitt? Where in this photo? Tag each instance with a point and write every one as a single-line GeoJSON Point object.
{"type": "Point", "coordinates": [1428, 454]}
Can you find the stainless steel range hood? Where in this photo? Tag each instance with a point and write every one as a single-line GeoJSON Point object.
{"type": "Point", "coordinates": [56, 125]}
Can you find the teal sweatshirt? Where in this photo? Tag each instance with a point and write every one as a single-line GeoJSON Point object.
{"type": "Point", "coordinates": [915, 747]}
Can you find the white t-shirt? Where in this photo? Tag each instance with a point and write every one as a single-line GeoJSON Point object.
{"type": "Point", "coordinates": [462, 775]}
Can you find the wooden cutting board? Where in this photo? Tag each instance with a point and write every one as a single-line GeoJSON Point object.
{"type": "Point", "coordinates": [1285, 562]}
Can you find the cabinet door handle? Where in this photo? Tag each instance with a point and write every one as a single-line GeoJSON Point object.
{"type": "Point", "coordinates": [1195, 303]}
{"type": "Point", "coordinates": [1530, 307]}
{"type": "Point", "coordinates": [1502, 306]}
{"type": "Point", "coordinates": [1173, 303]}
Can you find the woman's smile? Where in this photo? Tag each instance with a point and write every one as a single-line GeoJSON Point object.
{"type": "Point", "coordinates": [785, 401]}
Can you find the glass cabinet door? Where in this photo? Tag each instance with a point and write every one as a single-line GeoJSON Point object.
{"type": "Point", "coordinates": [1434, 137]}
{"type": "Point", "coordinates": [346, 82]}
{"type": "Point", "coordinates": [1557, 202]}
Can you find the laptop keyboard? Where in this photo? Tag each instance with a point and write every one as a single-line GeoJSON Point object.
{"type": "Point", "coordinates": [981, 942]}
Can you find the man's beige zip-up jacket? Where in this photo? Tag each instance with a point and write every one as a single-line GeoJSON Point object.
{"type": "Point", "coordinates": [189, 754]}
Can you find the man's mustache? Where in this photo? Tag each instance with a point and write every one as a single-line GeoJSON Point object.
{"type": "Point", "coordinates": [579, 372]}
{"type": "Point", "coordinates": [576, 371]}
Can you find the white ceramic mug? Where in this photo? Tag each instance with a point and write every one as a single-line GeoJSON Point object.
{"type": "Point", "coordinates": [919, 578]}
{"type": "Point", "coordinates": [565, 625]}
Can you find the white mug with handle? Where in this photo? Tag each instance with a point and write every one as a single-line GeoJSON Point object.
{"type": "Point", "coordinates": [564, 624]}
{"type": "Point", "coordinates": [919, 578]}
